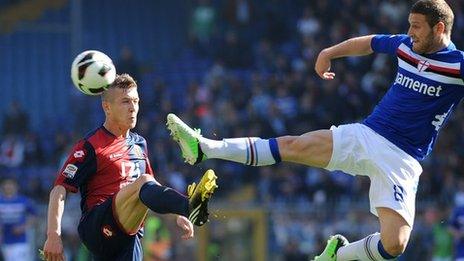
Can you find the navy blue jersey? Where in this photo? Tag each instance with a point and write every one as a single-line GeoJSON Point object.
{"type": "Point", "coordinates": [427, 88]}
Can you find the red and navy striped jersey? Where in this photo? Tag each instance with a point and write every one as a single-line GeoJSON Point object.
{"type": "Point", "coordinates": [427, 88]}
{"type": "Point", "coordinates": [100, 164]}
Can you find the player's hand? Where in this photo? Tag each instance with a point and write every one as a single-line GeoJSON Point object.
{"type": "Point", "coordinates": [186, 226]}
{"type": "Point", "coordinates": [322, 66]}
{"type": "Point", "coordinates": [53, 248]}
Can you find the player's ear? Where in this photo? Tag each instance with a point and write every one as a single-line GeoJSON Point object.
{"type": "Point", "coordinates": [439, 28]}
{"type": "Point", "coordinates": [106, 107]}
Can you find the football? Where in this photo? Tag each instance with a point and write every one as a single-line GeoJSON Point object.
{"type": "Point", "coordinates": [92, 72]}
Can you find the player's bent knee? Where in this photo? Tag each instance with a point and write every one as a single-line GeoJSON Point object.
{"type": "Point", "coordinates": [291, 146]}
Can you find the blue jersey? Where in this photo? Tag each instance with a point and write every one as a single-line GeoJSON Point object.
{"type": "Point", "coordinates": [457, 222]}
{"type": "Point", "coordinates": [13, 213]}
{"type": "Point", "coordinates": [427, 88]}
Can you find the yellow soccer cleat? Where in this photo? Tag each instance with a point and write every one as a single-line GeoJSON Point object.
{"type": "Point", "coordinates": [199, 196]}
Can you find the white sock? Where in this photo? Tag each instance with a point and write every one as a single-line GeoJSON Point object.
{"type": "Point", "coordinates": [365, 249]}
{"type": "Point", "coordinates": [250, 150]}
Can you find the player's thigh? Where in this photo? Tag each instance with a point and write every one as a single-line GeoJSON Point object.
{"type": "Point", "coordinates": [312, 148]}
{"type": "Point", "coordinates": [394, 230]}
{"type": "Point", "coordinates": [129, 209]}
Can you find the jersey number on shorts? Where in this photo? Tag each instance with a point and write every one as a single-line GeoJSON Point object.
{"type": "Point", "coordinates": [398, 193]}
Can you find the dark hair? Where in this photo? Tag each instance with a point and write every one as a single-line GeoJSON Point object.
{"type": "Point", "coordinates": [435, 11]}
{"type": "Point", "coordinates": [123, 81]}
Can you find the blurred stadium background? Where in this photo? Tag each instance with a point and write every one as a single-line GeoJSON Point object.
{"type": "Point", "coordinates": [233, 68]}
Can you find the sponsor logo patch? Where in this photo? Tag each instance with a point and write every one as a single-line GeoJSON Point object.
{"type": "Point", "coordinates": [70, 171]}
{"type": "Point", "coordinates": [79, 154]}
{"type": "Point", "coordinates": [116, 155]}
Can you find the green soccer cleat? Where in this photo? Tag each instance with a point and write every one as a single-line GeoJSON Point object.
{"type": "Point", "coordinates": [330, 251]}
{"type": "Point", "coordinates": [199, 196]}
{"type": "Point", "coordinates": [187, 138]}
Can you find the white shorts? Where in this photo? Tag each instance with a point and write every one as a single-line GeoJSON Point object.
{"type": "Point", "coordinates": [18, 251]}
{"type": "Point", "coordinates": [394, 174]}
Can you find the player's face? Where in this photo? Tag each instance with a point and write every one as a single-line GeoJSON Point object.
{"type": "Point", "coordinates": [123, 108]}
{"type": "Point", "coordinates": [10, 188]}
{"type": "Point", "coordinates": [423, 37]}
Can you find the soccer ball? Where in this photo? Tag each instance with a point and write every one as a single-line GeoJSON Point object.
{"type": "Point", "coordinates": [92, 72]}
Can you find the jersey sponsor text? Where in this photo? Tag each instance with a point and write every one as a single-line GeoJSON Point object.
{"type": "Point", "coordinates": [417, 86]}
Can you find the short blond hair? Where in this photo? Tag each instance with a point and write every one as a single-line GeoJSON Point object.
{"type": "Point", "coordinates": [123, 81]}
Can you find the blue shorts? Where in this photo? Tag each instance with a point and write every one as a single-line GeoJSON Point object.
{"type": "Point", "coordinates": [105, 239]}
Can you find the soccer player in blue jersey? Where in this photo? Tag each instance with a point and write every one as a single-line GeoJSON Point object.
{"type": "Point", "coordinates": [111, 169]}
{"type": "Point", "coordinates": [17, 213]}
{"type": "Point", "coordinates": [387, 146]}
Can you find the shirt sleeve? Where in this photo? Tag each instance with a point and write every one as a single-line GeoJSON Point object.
{"type": "Point", "coordinates": [462, 66]}
{"type": "Point", "coordinates": [148, 168]}
{"type": "Point", "coordinates": [79, 166]}
{"type": "Point", "coordinates": [385, 43]}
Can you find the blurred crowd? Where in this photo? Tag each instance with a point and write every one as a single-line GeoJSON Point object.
{"type": "Point", "coordinates": [261, 82]}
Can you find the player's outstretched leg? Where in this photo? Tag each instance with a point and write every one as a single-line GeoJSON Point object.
{"type": "Point", "coordinates": [251, 151]}
{"type": "Point", "coordinates": [199, 195]}
{"type": "Point", "coordinates": [330, 251]}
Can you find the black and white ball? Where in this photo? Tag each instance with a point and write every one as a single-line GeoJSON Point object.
{"type": "Point", "coordinates": [92, 72]}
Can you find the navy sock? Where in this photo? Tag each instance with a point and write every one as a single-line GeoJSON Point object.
{"type": "Point", "coordinates": [163, 200]}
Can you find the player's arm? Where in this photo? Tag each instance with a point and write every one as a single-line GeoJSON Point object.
{"type": "Point", "coordinates": [357, 46]}
{"type": "Point", "coordinates": [53, 248]}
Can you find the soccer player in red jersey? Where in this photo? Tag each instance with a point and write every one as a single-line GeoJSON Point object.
{"type": "Point", "coordinates": [110, 168]}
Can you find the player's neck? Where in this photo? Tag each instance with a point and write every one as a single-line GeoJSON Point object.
{"type": "Point", "coordinates": [443, 43]}
{"type": "Point", "coordinates": [115, 129]}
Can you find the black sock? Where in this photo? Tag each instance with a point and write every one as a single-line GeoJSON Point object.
{"type": "Point", "coordinates": [163, 200]}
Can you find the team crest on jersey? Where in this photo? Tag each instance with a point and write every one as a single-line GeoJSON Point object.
{"type": "Point", "coordinates": [107, 231]}
{"type": "Point", "coordinates": [138, 151]}
{"type": "Point", "coordinates": [422, 65]}
{"type": "Point", "coordinates": [70, 171]}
